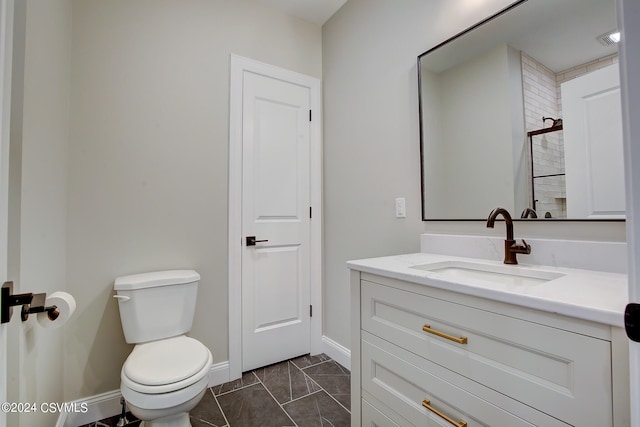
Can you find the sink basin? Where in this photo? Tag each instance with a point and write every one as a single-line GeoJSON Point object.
{"type": "Point", "coordinates": [463, 271]}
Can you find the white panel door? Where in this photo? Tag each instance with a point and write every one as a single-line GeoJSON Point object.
{"type": "Point", "coordinates": [275, 209]}
{"type": "Point", "coordinates": [592, 124]}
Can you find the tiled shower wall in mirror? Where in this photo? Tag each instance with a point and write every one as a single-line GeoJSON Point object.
{"type": "Point", "coordinates": [542, 99]}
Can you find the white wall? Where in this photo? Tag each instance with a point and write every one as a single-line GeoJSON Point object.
{"type": "Point", "coordinates": [39, 141]}
{"type": "Point", "coordinates": [148, 157]}
{"type": "Point", "coordinates": [371, 141]}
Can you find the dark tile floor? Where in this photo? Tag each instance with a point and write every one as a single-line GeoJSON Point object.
{"type": "Point", "coordinates": [307, 391]}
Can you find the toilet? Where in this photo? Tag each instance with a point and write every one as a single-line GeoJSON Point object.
{"type": "Point", "coordinates": [166, 374]}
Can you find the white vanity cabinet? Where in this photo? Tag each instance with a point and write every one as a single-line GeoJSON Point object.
{"type": "Point", "coordinates": [432, 357]}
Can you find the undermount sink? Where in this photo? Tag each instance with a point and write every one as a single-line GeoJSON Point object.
{"type": "Point", "coordinates": [464, 271]}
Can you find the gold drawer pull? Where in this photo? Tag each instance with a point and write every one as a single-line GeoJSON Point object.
{"type": "Point", "coordinates": [461, 340]}
{"type": "Point", "coordinates": [427, 404]}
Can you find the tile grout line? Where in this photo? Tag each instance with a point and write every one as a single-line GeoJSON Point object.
{"type": "Point", "coordinates": [322, 388]}
{"type": "Point", "coordinates": [227, 424]}
{"type": "Point", "coordinates": [307, 377]}
{"type": "Point", "coordinates": [276, 400]}
{"type": "Point", "coordinates": [215, 397]}
{"type": "Point", "coordinates": [289, 363]}
{"type": "Point", "coordinates": [326, 392]}
{"type": "Point", "coordinates": [239, 388]}
{"type": "Point", "coordinates": [302, 397]}
{"type": "Point", "coordinates": [311, 366]}
{"type": "Point", "coordinates": [318, 385]}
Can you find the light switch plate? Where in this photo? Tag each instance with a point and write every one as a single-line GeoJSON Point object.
{"type": "Point", "coordinates": [401, 210]}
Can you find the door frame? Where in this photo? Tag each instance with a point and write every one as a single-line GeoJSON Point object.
{"type": "Point", "coordinates": [240, 65]}
{"type": "Point", "coordinates": [628, 13]}
{"type": "Point", "coordinates": [6, 40]}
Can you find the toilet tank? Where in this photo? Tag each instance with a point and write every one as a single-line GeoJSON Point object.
{"type": "Point", "coordinates": [156, 305]}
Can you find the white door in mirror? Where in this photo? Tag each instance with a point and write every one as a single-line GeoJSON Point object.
{"type": "Point", "coordinates": [592, 115]}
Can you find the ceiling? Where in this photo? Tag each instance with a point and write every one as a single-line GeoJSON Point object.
{"type": "Point", "coordinates": [559, 34]}
{"type": "Point", "coordinates": [316, 11]}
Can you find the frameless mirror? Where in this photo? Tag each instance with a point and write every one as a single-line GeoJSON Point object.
{"type": "Point", "coordinates": [523, 111]}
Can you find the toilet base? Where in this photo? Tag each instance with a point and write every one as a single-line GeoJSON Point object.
{"type": "Point", "coordinates": [177, 420]}
{"type": "Point", "coordinates": [176, 416]}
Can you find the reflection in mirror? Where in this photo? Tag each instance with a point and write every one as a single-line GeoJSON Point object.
{"type": "Point", "coordinates": [523, 111]}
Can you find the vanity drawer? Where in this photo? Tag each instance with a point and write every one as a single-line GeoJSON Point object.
{"type": "Point", "coordinates": [564, 374]}
{"type": "Point", "coordinates": [371, 417]}
{"type": "Point", "coordinates": [408, 384]}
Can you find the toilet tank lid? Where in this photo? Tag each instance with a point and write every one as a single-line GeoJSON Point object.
{"type": "Point", "coordinates": [157, 278]}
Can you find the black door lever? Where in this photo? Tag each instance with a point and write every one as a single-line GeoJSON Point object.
{"type": "Point", "coordinates": [632, 321]}
{"type": "Point", "coordinates": [251, 240]}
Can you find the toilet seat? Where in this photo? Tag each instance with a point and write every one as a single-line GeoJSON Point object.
{"type": "Point", "coordinates": [165, 361]}
{"type": "Point", "coordinates": [163, 401]}
{"type": "Point", "coordinates": [165, 366]}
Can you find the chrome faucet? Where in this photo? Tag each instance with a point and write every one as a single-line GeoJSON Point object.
{"type": "Point", "coordinates": [511, 248]}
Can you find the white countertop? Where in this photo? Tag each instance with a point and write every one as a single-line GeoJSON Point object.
{"type": "Point", "coordinates": [591, 295]}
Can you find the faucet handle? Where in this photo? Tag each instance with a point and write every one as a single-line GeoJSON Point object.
{"type": "Point", "coordinates": [521, 246]}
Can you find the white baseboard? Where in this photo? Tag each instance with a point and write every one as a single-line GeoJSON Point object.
{"type": "Point", "coordinates": [337, 352]}
{"type": "Point", "coordinates": [107, 404]}
{"type": "Point", "coordinates": [219, 374]}
{"type": "Point", "coordinates": [98, 407]}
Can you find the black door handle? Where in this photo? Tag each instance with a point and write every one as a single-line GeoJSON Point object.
{"type": "Point", "coordinates": [251, 240]}
{"type": "Point", "coordinates": [632, 321]}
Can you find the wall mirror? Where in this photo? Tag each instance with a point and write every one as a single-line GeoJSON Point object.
{"type": "Point", "coordinates": [522, 111]}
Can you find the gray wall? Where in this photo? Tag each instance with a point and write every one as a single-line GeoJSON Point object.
{"type": "Point", "coordinates": [475, 128]}
{"type": "Point", "coordinates": [119, 152]}
{"type": "Point", "coordinates": [119, 165]}
{"type": "Point", "coordinates": [371, 141]}
{"type": "Point", "coordinates": [147, 184]}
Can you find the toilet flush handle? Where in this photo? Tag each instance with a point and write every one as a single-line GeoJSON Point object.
{"type": "Point", "coordinates": [122, 297]}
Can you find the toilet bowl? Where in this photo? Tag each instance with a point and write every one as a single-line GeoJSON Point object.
{"type": "Point", "coordinates": [163, 380]}
{"type": "Point", "coordinates": [166, 375]}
